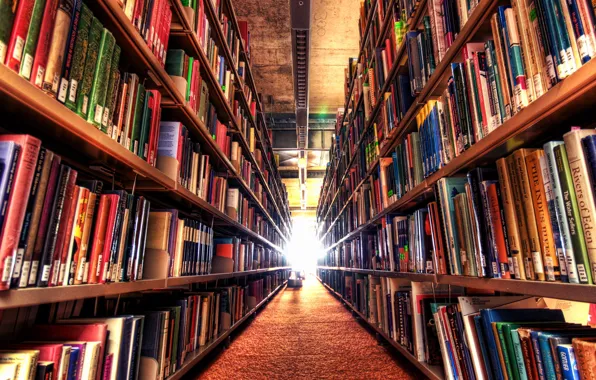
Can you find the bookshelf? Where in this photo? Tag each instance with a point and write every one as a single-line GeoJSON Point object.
{"type": "Point", "coordinates": [95, 155]}
{"type": "Point", "coordinates": [432, 372]}
{"type": "Point", "coordinates": [344, 234]}
{"type": "Point", "coordinates": [186, 37]}
{"type": "Point", "coordinates": [200, 354]}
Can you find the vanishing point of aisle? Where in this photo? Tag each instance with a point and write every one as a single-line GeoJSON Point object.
{"type": "Point", "coordinates": [307, 334]}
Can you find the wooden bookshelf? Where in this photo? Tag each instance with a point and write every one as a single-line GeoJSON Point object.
{"type": "Point", "coordinates": [174, 99]}
{"type": "Point", "coordinates": [189, 41]}
{"type": "Point", "coordinates": [195, 357]}
{"type": "Point", "coordinates": [55, 123]}
{"type": "Point", "coordinates": [36, 296]}
{"type": "Point", "coordinates": [432, 372]}
{"type": "Point", "coordinates": [400, 55]}
{"type": "Point", "coordinates": [535, 123]}
{"type": "Point", "coordinates": [560, 290]}
{"type": "Point", "coordinates": [254, 122]}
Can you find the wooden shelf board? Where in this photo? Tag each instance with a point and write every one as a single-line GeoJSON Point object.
{"type": "Point", "coordinates": [36, 296]}
{"type": "Point", "coordinates": [559, 290]}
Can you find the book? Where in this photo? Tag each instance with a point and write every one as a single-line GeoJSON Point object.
{"type": "Point", "coordinates": [17, 204]}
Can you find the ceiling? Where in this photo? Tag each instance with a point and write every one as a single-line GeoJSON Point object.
{"type": "Point", "coordinates": [334, 38]}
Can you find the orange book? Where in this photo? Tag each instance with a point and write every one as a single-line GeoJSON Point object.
{"type": "Point", "coordinates": [496, 227]}
{"type": "Point", "coordinates": [585, 353]}
{"type": "Point", "coordinates": [77, 234]}
{"type": "Point", "coordinates": [95, 260]}
{"type": "Point", "coordinates": [83, 246]}
{"type": "Point", "coordinates": [550, 259]}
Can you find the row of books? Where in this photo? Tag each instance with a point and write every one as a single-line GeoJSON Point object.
{"type": "Point", "coordinates": [481, 336]}
{"type": "Point", "coordinates": [58, 229]}
{"type": "Point", "coordinates": [180, 157]}
{"type": "Point", "coordinates": [490, 84]}
{"type": "Point", "coordinates": [142, 337]}
{"type": "Point", "coordinates": [84, 73]}
{"type": "Point", "coordinates": [152, 19]}
{"type": "Point", "coordinates": [521, 219]}
{"type": "Point", "coordinates": [193, 249]}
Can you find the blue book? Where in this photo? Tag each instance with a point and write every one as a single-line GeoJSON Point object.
{"type": "Point", "coordinates": [9, 154]}
{"type": "Point", "coordinates": [483, 347]}
{"type": "Point", "coordinates": [73, 363]}
{"type": "Point", "coordinates": [589, 144]}
{"type": "Point", "coordinates": [490, 316]}
{"type": "Point", "coordinates": [568, 362]}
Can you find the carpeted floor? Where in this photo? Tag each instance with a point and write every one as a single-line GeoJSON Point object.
{"type": "Point", "coordinates": [307, 334]}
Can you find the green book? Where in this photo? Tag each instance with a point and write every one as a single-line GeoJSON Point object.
{"type": "Point", "coordinates": [175, 62]}
{"type": "Point", "coordinates": [32, 38]}
{"type": "Point", "coordinates": [146, 124]}
{"type": "Point", "coordinates": [138, 119]}
{"type": "Point", "coordinates": [97, 98]}
{"type": "Point", "coordinates": [8, 9]}
{"type": "Point", "coordinates": [82, 106]}
{"type": "Point", "coordinates": [77, 67]}
{"type": "Point", "coordinates": [189, 77]}
{"type": "Point", "coordinates": [518, 354]}
{"type": "Point", "coordinates": [112, 90]}
{"type": "Point", "coordinates": [573, 217]}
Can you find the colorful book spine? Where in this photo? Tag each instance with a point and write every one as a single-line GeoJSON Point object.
{"type": "Point", "coordinates": [32, 38]}
{"type": "Point", "coordinates": [79, 55]}
{"type": "Point", "coordinates": [573, 215]}
{"type": "Point", "coordinates": [97, 97]}
{"type": "Point", "coordinates": [84, 88]}
{"type": "Point", "coordinates": [18, 37]}
{"type": "Point", "coordinates": [559, 205]}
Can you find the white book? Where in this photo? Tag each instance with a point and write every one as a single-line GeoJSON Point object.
{"type": "Point", "coordinates": [25, 360]}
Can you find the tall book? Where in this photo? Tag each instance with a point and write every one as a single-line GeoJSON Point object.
{"type": "Point", "coordinates": [573, 215]}
{"type": "Point", "coordinates": [60, 33]}
{"type": "Point", "coordinates": [17, 204]}
{"type": "Point", "coordinates": [32, 38]}
{"type": "Point", "coordinates": [578, 163]}
{"type": "Point", "coordinates": [84, 88]}
{"type": "Point", "coordinates": [99, 90]}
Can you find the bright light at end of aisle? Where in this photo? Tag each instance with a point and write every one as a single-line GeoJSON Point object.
{"type": "Point", "coordinates": [304, 248]}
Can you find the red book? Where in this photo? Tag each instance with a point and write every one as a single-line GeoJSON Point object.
{"type": "Point", "coordinates": [99, 235]}
{"type": "Point", "coordinates": [137, 15]}
{"type": "Point", "coordinates": [166, 31]}
{"type": "Point", "coordinates": [154, 128]}
{"type": "Point", "coordinates": [43, 44]}
{"type": "Point", "coordinates": [63, 226]}
{"type": "Point", "coordinates": [50, 352]}
{"type": "Point", "coordinates": [155, 15]}
{"type": "Point", "coordinates": [69, 231]}
{"type": "Point", "coordinates": [20, 28]}
{"type": "Point", "coordinates": [104, 260]}
{"type": "Point", "coordinates": [389, 55]}
{"type": "Point", "coordinates": [17, 203]}
{"type": "Point", "coordinates": [92, 332]}
{"type": "Point", "coordinates": [243, 26]}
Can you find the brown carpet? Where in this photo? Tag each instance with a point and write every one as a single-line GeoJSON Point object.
{"type": "Point", "coordinates": [307, 334]}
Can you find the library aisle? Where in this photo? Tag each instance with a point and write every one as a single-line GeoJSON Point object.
{"type": "Point", "coordinates": [307, 334]}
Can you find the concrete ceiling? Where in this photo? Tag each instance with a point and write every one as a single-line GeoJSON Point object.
{"type": "Point", "coordinates": [334, 38]}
